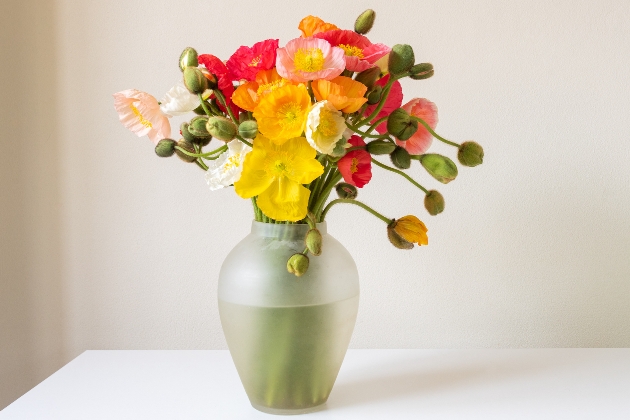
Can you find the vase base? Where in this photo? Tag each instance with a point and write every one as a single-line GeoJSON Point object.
{"type": "Point", "coordinates": [289, 411]}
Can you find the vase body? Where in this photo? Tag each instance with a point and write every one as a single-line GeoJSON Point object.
{"type": "Point", "coordinates": [287, 335]}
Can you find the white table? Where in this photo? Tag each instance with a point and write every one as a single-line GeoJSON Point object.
{"type": "Point", "coordinates": [373, 384]}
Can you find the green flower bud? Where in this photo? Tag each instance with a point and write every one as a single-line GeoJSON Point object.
{"type": "Point", "coordinates": [421, 71]}
{"type": "Point", "coordinates": [380, 147]}
{"type": "Point", "coordinates": [188, 58]}
{"type": "Point", "coordinates": [434, 202]}
{"type": "Point", "coordinates": [185, 133]}
{"type": "Point", "coordinates": [396, 239]}
{"type": "Point", "coordinates": [189, 148]}
{"type": "Point", "coordinates": [347, 191]}
{"type": "Point", "coordinates": [297, 264]}
{"type": "Point", "coordinates": [400, 124]}
{"type": "Point", "coordinates": [248, 129]}
{"type": "Point", "coordinates": [400, 158]}
{"type": "Point", "coordinates": [470, 154]}
{"type": "Point", "coordinates": [197, 127]}
{"type": "Point", "coordinates": [313, 241]}
{"type": "Point", "coordinates": [165, 148]}
{"type": "Point", "coordinates": [221, 128]}
{"type": "Point", "coordinates": [364, 22]}
{"type": "Point", "coordinates": [401, 59]}
{"type": "Point", "coordinates": [374, 96]}
{"type": "Point", "coordinates": [369, 77]}
{"type": "Point", "coordinates": [194, 80]}
{"type": "Point", "coordinates": [439, 167]}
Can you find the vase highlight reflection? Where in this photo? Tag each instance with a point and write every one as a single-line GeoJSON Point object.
{"type": "Point", "coordinates": [287, 335]}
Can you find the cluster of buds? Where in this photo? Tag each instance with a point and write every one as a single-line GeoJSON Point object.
{"type": "Point", "coordinates": [298, 263]}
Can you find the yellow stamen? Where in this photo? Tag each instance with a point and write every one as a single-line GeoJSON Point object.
{"type": "Point", "coordinates": [354, 166]}
{"type": "Point", "coordinates": [309, 60]}
{"type": "Point", "coordinates": [143, 120]}
{"type": "Point", "coordinates": [327, 125]}
{"type": "Point", "coordinates": [352, 50]}
{"type": "Point", "coordinates": [289, 114]}
{"type": "Point", "coordinates": [255, 61]}
{"type": "Point", "coordinates": [232, 162]}
{"type": "Point", "coordinates": [270, 87]}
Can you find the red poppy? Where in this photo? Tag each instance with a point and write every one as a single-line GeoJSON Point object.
{"type": "Point", "coordinates": [394, 100]}
{"type": "Point", "coordinates": [361, 54]}
{"type": "Point", "coordinates": [246, 62]}
{"type": "Point", "coordinates": [224, 78]}
{"type": "Point", "coordinates": [356, 165]}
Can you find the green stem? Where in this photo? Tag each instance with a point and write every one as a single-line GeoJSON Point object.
{"type": "Point", "coordinates": [380, 106]}
{"type": "Point", "coordinates": [244, 141]}
{"type": "Point", "coordinates": [377, 123]}
{"type": "Point", "coordinates": [367, 134]}
{"type": "Point", "coordinates": [202, 155]}
{"type": "Point", "coordinates": [221, 98]}
{"type": "Point", "coordinates": [201, 165]}
{"type": "Point", "coordinates": [257, 212]}
{"type": "Point", "coordinates": [204, 106]}
{"type": "Point", "coordinates": [433, 133]}
{"type": "Point", "coordinates": [401, 173]}
{"type": "Point", "coordinates": [336, 177]}
{"type": "Point", "coordinates": [356, 203]}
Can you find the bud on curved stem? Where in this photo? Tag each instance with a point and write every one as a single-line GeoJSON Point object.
{"type": "Point", "coordinates": [434, 202]}
{"type": "Point", "coordinates": [313, 241]}
{"type": "Point", "coordinates": [346, 191]}
{"type": "Point", "coordinates": [364, 22]}
{"type": "Point", "coordinates": [400, 124]}
{"type": "Point", "coordinates": [439, 167]}
{"type": "Point", "coordinates": [401, 59]}
{"type": "Point", "coordinates": [194, 80]}
{"type": "Point", "coordinates": [188, 58]}
{"type": "Point", "coordinates": [421, 71]}
{"type": "Point", "coordinates": [368, 77]}
{"type": "Point", "coordinates": [165, 147]}
{"type": "Point", "coordinates": [400, 158]}
{"type": "Point", "coordinates": [221, 128]}
{"type": "Point", "coordinates": [297, 264]}
{"type": "Point", "coordinates": [470, 154]}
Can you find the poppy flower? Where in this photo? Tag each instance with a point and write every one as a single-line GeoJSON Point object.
{"type": "Point", "coordinates": [249, 94]}
{"type": "Point", "coordinates": [356, 165]}
{"type": "Point", "coordinates": [343, 92]}
{"type": "Point", "coordinates": [246, 62]}
{"type": "Point", "coordinates": [312, 25]}
{"type": "Point", "coordinates": [224, 78]}
{"type": "Point", "coordinates": [304, 59]}
{"type": "Point", "coordinates": [361, 54]}
{"type": "Point", "coordinates": [140, 113]}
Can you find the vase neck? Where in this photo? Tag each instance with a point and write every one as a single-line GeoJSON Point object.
{"type": "Point", "coordinates": [282, 231]}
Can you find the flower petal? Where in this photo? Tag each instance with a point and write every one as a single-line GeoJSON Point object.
{"type": "Point", "coordinates": [285, 199]}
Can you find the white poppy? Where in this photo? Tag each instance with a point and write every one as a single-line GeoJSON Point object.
{"type": "Point", "coordinates": [324, 127]}
{"type": "Point", "coordinates": [178, 101]}
{"type": "Point", "coordinates": [227, 168]}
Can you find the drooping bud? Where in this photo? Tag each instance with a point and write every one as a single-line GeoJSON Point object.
{"type": "Point", "coordinates": [400, 158]}
{"type": "Point", "coordinates": [297, 264]}
{"type": "Point", "coordinates": [221, 128]}
{"type": "Point", "coordinates": [396, 239]}
{"type": "Point", "coordinates": [194, 80]}
{"type": "Point", "coordinates": [401, 59]}
{"type": "Point", "coordinates": [346, 191]}
{"type": "Point", "coordinates": [434, 202]}
{"type": "Point", "coordinates": [400, 124]}
{"type": "Point", "coordinates": [374, 96]}
{"type": "Point", "coordinates": [421, 71]}
{"type": "Point", "coordinates": [197, 127]}
{"type": "Point", "coordinates": [439, 167]}
{"type": "Point", "coordinates": [368, 77]}
{"type": "Point", "coordinates": [248, 129]}
{"type": "Point", "coordinates": [470, 154]}
{"type": "Point", "coordinates": [185, 133]}
{"type": "Point", "coordinates": [165, 148]}
{"type": "Point", "coordinates": [189, 148]}
{"type": "Point", "coordinates": [313, 241]}
{"type": "Point", "coordinates": [380, 147]}
{"type": "Point", "coordinates": [364, 22]}
{"type": "Point", "coordinates": [188, 58]}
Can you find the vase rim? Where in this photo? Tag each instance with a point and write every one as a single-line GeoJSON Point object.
{"type": "Point", "coordinates": [289, 232]}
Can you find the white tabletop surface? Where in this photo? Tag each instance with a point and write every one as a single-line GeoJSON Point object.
{"type": "Point", "coordinates": [373, 384]}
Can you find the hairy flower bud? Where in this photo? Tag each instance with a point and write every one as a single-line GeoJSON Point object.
{"type": "Point", "coordinates": [434, 202]}
{"type": "Point", "coordinates": [188, 58]}
{"type": "Point", "coordinates": [194, 80]}
{"type": "Point", "coordinates": [364, 22]}
{"type": "Point", "coordinates": [297, 264]}
{"type": "Point", "coordinates": [313, 241]}
{"type": "Point", "coordinates": [374, 96]}
{"type": "Point", "coordinates": [400, 124]}
{"type": "Point", "coordinates": [347, 191]}
{"type": "Point", "coordinates": [197, 127]}
{"type": "Point", "coordinates": [396, 239]}
{"type": "Point", "coordinates": [165, 148]}
{"type": "Point", "coordinates": [470, 154]}
{"type": "Point", "coordinates": [380, 147]}
{"type": "Point", "coordinates": [368, 77]}
{"type": "Point", "coordinates": [189, 148]}
{"type": "Point", "coordinates": [439, 167]}
{"type": "Point", "coordinates": [421, 71]}
{"type": "Point", "coordinates": [401, 59]}
{"type": "Point", "coordinates": [221, 128]}
{"type": "Point", "coordinates": [400, 158]}
{"type": "Point", "coordinates": [248, 129]}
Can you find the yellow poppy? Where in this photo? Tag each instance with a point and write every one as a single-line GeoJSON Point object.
{"type": "Point", "coordinates": [344, 93]}
{"type": "Point", "coordinates": [281, 114]}
{"type": "Point", "coordinates": [411, 229]}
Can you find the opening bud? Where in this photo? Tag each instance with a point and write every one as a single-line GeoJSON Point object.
{"type": "Point", "coordinates": [165, 148]}
{"type": "Point", "coordinates": [189, 148]}
{"type": "Point", "coordinates": [297, 264]}
{"type": "Point", "coordinates": [400, 124]}
{"type": "Point", "coordinates": [194, 80]}
{"type": "Point", "coordinates": [401, 59]}
{"type": "Point", "coordinates": [421, 71]}
{"type": "Point", "coordinates": [197, 127]}
{"type": "Point", "coordinates": [409, 229]}
{"type": "Point", "coordinates": [221, 128]}
{"type": "Point", "coordinates": [347, 191]}
{"type": "Point", "coordinates": [248, 129]}
{"type": "Point", "coordinates": [395, 238]}
{"type": "Point", "coordinates": [188, 58]}
{"type": "Point", "coordinates": [364, 22]}
{"type": "Point", "coordinates": [470, 154]}
{"type": "Point", "coordinates": [380, 147]}
{"type": "Point", "coordinates": [439, 167]}
{"type": "Point", "coordinates": [400, 158]}
{"type": "Point", "coordinates": [368, 77]}
{"type": "Point", "coordinates": [313, 241]}
{"type": "Point", "coordinates": [374, 96]}
{"type": "Point", "coordinates": [434, 202]}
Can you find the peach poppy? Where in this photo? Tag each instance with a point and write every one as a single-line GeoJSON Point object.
{"type": "Point", "coordinates": [421, 140]}
{"type": "Point", "coordinates": [140, 113]}
{"type": "Point", "coordinates": [304, 59]}
{"type": "Point", "coordinates": [344, 93]}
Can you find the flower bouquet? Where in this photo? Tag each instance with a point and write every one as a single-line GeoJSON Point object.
{"type": "Point", "coordinates": [291, 125]}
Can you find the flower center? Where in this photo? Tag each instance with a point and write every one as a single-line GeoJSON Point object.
{"type": "Point", "coordinates": [351, 50]}
{"type": "Point", "coordinates": [255, 61]}
{"type": "Point", "coordinates": [309, 60]}
{"type": "Point", "coordinates": [270, 87]}
{"type": "Point", "coordinates": [279, 167]}
{"type": "Point", "coordinates": [232, 162]}
{"type": "Point", "coordinates": [143, 120]}
{"type": "Point", "coordinates": [327, 125]}
{"type": "Point", "coordinates": [289, 114]}
{"type": "Point", "coordinates": [354, 166]}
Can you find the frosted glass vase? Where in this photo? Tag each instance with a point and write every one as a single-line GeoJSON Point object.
{"type": "Point", "coordinates": [287, 335]}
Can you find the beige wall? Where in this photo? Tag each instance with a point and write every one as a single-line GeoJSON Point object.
{"type": "Point", "coordinates": [533, 249]}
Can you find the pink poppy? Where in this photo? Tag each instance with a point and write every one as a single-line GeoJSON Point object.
{"type": "Point", "coordinates": [224, 78]}
{"type": "Point", "coordinates": [246, 62]}
{"type": "Point", "coordinates": [356, 165]}
{"type": "Point", "coordinates": [305, 59]}
{"type": "Point", "coordinates": [140, 113]}
{"type": "Point", "coordinates": [394, 100]}
{"type": "Point", "coordinates": [421, 140]}
{"type": "Point", "coordinates": [361, 54]}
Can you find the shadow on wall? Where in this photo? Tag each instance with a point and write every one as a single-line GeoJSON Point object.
{"type": "Point", "coordinates": [31, 342]}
